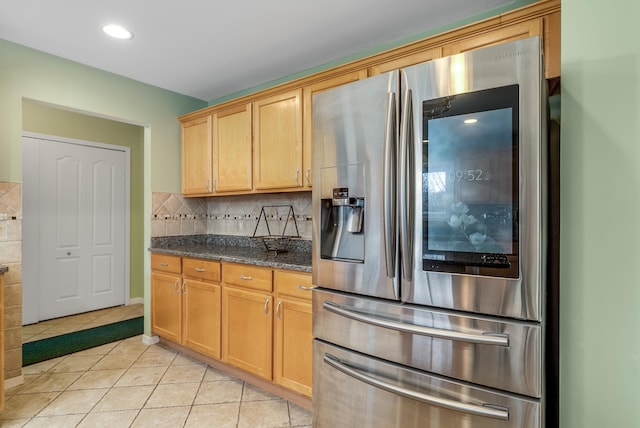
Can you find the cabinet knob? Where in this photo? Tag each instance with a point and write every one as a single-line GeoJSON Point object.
{"type": "Point", "coordinates": [266, 307]}
{"type": "Point", "coordinates": [246, 278]}
{"type": "Point", "coordinates": [200, 270]}
{"type": "Point", "coordinates": [278, 310]}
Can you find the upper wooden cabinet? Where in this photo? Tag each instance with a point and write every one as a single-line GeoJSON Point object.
{"type": "Point", "coordinates": [232, 151]}
{"type": "Point", "coordinates": [262, 142]}
{"type": "Point", "coordinates": [406, 60]}
{"type": "Point", "coordinates": [307, 95]}
{"type": "Point", "coordinates": [277, 141]}
{"type": "Point", "coordinates": [196, 156]}
{"type": "Point", "coordinates": [552, 45]}
{"type": "Point", "coordinates": [502, 35]}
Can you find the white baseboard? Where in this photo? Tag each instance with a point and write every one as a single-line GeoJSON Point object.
{"type": "Point", "coordinates": [150, 340]}
{"type": "Point", "coordinates": [14, 381]}
{"type": "Point", "coordinates": [136, 301]}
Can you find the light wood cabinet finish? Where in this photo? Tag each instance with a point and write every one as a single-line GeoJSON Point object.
{"type": "Point", "coordinates": [307, 96]}
{"type": "Point", "coordinates": [406, 61]}
{"type": "Point", "coordinates": [207, 270]}
{"type": "Point", "coordinates": [202, 316]}
{"type": "Point", "coordinates": [254, 318]}
{"type": "Point", "coordinates": [252, 277]}
{"type": "Point", "coordinates": [552, 45]}
{"type": "Point", "coordinates": [166, 305]}
{"type": "Point", "coordinates": [513, 32]}
{"type": "Point", "coordinates": [247, 334]}
{"type": "Point", "coordinates": [277, 141]}
{"type": "Point", "coordinates": [293, 339]}
{"type": "Point", "coordinates": [232, 150]}
{"type": "Point", "coordinates": [166, 263]}
{"type": "Point", "coordinates": [281, 159]}
{"type": "Point", "coordinates": [196, 156]}
{"type": "Point", "coordinates": [185, 304]}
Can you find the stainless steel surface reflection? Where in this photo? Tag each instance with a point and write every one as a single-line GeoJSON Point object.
{"type": "Point", "coordinates": [407, 398]}
{"type": "Point", "coordinates": [419, 321]}
{"type": "Point", "coordinates": [498, 353]}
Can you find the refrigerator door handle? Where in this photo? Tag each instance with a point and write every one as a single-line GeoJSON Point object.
{"type": "Point", "coordinates": [389, 194]}
{"type": "Point", "coordinates": [405, 175]}
{"type": "Point", "coordinates": [486, 338]}
{"type": "Point", "coordinates": [486, 410]}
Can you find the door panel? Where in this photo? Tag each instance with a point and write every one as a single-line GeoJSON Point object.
{"type": "Point", "coordinates": [82, 228]}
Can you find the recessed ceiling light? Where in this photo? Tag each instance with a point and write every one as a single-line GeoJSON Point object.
{"type": "Point", "coordinates": [470, 121]}
{"type": "Point", "coordinates": [117, 31]}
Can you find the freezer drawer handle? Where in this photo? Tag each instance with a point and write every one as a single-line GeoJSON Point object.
{"type": "Point", "coordinates": [484, 339]}
{"type": "Point", "coordinates": [478, 410]}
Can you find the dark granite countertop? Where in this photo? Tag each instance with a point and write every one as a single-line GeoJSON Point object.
{"type": "Point", "coordinates": [3, 269]}
{"type": "Point", "coordinates": [237, 249]}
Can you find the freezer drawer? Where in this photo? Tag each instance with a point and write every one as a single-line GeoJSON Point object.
{"type": "Point", "coordinates": [496, 352]}
{"type": "Point", "coordinates": [362, 391]}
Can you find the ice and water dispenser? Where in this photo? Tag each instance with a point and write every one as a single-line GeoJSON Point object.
{"type": "Point", "coordinates": [342, 213]}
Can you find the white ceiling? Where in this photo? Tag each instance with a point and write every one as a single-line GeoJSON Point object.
{"type": "Point", "coordinates": [211, 48]}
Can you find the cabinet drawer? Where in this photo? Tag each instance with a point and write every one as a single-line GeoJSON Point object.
{"type": "Point", "coordinates": [165, 263]}
{"type": "Point", "coordinates": [207, 270]}
{"type": "Point", "coordinates": [296, 284]}
{"type": "Point", "coordinates": [256, 278]}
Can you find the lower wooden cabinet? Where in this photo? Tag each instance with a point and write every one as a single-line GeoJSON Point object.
{"type": "Point", "coordinates": [166, 306]}
{"type": "Point", "coordinates": [292, 361]}
{"type": "Point", "coordinates": [201, 318]}
{"type": "Point", "coordinates": [254, 318]}
{"type": "Point", "coordinates": [186, 308]}
{"type": "Point", "coordinates": [247, 330]}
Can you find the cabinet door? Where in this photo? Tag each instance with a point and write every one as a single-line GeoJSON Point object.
{"type": "Point", "coordinates": [277, 133]}
{"type": "Point", "coordinates": [293, 345]}
{"type": "Point", "coordinates": [513, 32]}
{"type": "Point", "coordinates": [308, 91]}
{"type": "Point", "coordinates": [201, 305]}
{"type": "Point", "coordinates": [406, 61]}
{"type": "Point", "coordinates": [232, 150]}
{"type": "Point", "coordinates": [247, 331]}
{"type": "Point", "coordinates": [196, 156]}
{"type": "Point", "coordinates": [166, 305]}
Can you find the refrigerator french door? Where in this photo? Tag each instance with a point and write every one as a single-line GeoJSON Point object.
{"type": "Point", "coordinates": [428, 243]}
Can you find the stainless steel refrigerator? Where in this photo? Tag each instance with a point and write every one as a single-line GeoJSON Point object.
{"type": "Point", "coordinates": [429, 245]}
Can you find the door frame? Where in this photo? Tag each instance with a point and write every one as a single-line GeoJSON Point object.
{"type": "Point", "coordinates": [31, 223]}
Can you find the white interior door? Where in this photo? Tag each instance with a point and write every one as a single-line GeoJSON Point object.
{"type": "Point", "coordinates": [82, 194]}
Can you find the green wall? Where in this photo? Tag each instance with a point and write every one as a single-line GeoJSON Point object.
{"type": "Point", "coordinates": [27, 74]}
{"type": "Point", "coordinates": [600, 205]}
{"type": "Point", "coordinates": [45, 119]}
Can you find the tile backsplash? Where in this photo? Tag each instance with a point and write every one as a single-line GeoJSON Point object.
{"type": "Point", "coordinates": [173, 214]}
{"type": "Point", "coordinates": [11, 257]}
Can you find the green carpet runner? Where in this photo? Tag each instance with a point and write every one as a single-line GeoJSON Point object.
{"type": "Point", "coordinates": [46, 349]}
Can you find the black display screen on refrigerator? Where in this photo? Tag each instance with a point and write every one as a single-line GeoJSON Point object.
{"type": "Point", "coordinates": [470, 183]}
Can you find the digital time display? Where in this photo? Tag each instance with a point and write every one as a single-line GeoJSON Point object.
{"type": "Point", "coordinates": [467, 175]}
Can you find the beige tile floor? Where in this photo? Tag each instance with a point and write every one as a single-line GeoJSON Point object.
{"type": "Point", "coordinates": [58, 326]}
{"type": "Point", "coordinates": [130, 384]}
